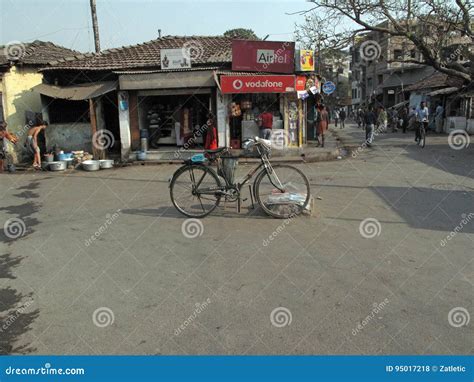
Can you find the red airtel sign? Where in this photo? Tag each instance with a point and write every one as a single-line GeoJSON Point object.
{"type": "Point", "coordinates": [257, 84]}
{"type": "Point", "coordinates": [263, 56]}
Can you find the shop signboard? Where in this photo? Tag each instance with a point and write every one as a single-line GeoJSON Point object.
{"type": "Point", "coordinates": [329, 87]}
{"type": "Point", "coordinates": [305, 60]}
{"type": "Point", "coordinates": [257, 84]}
{"type": "Point", "coordinates": [175, 58]}
{"type": "Point", "coordinates": [300, 83]}
{"type": "Point", "coordinates": [263, 56]}
{"type": "Point", "coordinates": [302, 94]}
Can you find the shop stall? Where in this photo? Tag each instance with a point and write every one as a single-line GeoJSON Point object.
{"type": "Point", "coordinates": [248, 95]}
{"type": "Point", "coordinates": [168, 109]}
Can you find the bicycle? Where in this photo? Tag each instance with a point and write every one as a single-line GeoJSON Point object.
{"type": "Point", "coordinates": [196, 188]}
{"type": "Point", "coordinates": [422, 141]}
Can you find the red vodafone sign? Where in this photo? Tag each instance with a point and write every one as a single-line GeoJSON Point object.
{"type": "Point", "coordinates": [257, 84]}
{"type": "Point", "coordinates": [263, 56]}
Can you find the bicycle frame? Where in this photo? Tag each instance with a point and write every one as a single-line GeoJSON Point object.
{"type": "Point", "coordinates": [265, 164]}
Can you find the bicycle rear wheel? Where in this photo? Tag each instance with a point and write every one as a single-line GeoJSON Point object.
{"type": "Point", "coordinates": [283, 192]}
{"type": "Point", "coordinates": [195, 190]}
{"type": "Point", "coordinates": [422, 137]}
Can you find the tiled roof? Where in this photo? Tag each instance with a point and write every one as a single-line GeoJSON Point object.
{"type": "Point", "coordinates": [436, 80]}
{"type": "Point", "coordinates": [204, 50]}
{"type": "Point", "coordinates": [33, 53]}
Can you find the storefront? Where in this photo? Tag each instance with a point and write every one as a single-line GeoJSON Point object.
{"type": "Point", "coordinates": [247, 95]}
{"type": "Point", "coordinates": [170, 109]}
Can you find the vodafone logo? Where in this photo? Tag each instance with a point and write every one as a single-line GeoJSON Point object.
{"type": "Point", "coordinates": [237, 84]}
{"type": "Point", "coordinates": [257, 84]}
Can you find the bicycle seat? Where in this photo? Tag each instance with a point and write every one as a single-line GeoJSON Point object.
{"type": "Point", "coordinates": [215, 151]}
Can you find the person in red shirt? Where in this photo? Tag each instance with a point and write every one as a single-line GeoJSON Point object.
{"type": "Point", "coordinates": [266, 124]}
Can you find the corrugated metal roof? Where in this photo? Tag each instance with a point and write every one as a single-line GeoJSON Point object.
{"type": "Point", "coordinates": [444, 91]}
{"type": "Point", "coordinates": [77, 92]}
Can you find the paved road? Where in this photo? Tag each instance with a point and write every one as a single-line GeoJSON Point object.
{"type": "Point", "coordinates": [103, 267]}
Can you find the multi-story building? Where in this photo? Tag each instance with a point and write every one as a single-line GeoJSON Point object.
{"type": "Point", "coordinates": [378, 73]}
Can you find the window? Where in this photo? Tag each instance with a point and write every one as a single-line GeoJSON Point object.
{"type": "Point", "coordinates": [413, 53]}
{"type": "Point", "coordinates": [398, 54]}
{"type": "Point", "coordinates": [66, 111]}
{"type": "Point", "coordinates": [380, 78]}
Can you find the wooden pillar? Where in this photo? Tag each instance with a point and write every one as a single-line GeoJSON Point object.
{"type": "Point", "coordinates": [97, 152]}
{"type": "Point", "coordinates": [134, 123]}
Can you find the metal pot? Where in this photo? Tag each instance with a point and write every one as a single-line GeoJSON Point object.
{"type": "Point", "coordinates": [91, 165]}
{"type": "Point", "coordinates": [49, 158]}
{"type": "Point", "coordinates": [57, 166]}
{"type": "Point", "coordinates": [106, 163]}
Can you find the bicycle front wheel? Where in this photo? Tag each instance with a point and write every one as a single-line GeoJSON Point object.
{"type": "Point", "coordinates": [282, 191]}
{"type": "Point", "coordinates": [422, 137]}
{"type": "Point", "coordinates": [195, 190]}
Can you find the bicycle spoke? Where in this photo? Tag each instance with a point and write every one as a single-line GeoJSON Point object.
{"type": "Point", "coordinates": [191, 191]}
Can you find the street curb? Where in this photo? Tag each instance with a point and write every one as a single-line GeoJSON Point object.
{"type": "Point", "coordinates": [322, 157]}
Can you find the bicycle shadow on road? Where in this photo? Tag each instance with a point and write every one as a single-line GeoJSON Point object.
{"type": "Point", "coordinates": [171, 212]}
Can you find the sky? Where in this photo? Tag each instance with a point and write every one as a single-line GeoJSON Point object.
{"type": "Point", "coordinates": [128, 22]}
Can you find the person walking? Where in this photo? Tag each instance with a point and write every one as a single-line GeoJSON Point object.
{"type": "Point", "coordinates": [404, 119]}
{"type": "Point", "coordinates": [336, 117]}
{"type": "Point", "coordinates": [360, 118]}
{"type": "Point", "coordinates": [439, 118]}
{"type": "Point", "coordinates": [370, 120]}
{"type": "Point", "coordinates": [342, 117]}
{"type": "Point", "coordinates": [323, 124]}
{"type": "Point", "coordinates": [422, 115]}
{"type": "Point", "coordinates": [382, 120]}
{"type": "Point", "coordinates": [393, 118]}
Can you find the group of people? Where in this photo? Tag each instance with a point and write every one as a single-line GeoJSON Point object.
{"type": "Point", "coordinates": [31, 143]}
{"type": "Point", "coordinates": [340, 117]}
{"type": "Point", "coordinates": [380, 120]}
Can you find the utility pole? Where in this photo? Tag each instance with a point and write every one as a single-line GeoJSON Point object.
{"type": "Point", "coordinates": [95, 26]}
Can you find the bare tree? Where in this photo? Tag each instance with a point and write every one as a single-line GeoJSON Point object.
{"type": "Point", "coordinates": [431, 25]}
